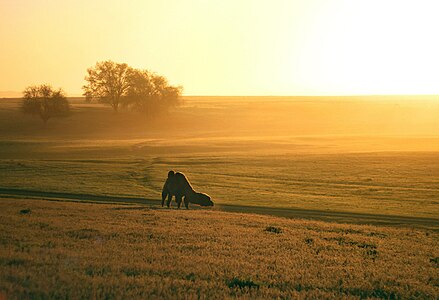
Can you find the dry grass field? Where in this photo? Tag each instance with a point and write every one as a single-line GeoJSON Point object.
{"type": "Point", "coordinates": [344, 160]}
{"type": "Point", "coordinates": [52, 249]}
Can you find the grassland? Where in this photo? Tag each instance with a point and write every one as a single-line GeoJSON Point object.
{"type": "Point", "coordinates": [344, 160]}
{"type": "Point", "coordinates": [79, 250]}
{"type": "Point", "coordinates": [323, 182]}
{"type": "Point", "coordinates": [331, 155]}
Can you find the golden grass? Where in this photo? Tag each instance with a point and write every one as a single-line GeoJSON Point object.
{"type": "Point", "coordinates": [78, 250]}
{"type": "Point", "coordinates": [404, 184]}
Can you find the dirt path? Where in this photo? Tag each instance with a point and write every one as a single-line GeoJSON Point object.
{"type": "Point", "coordinates": [339, 217]}
{"type": "Point", "coordinates": [327, 216]}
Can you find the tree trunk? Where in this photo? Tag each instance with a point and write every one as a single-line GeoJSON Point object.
{"type": "Point", "coordinates": [115, 107]}
{"type": "Point", "coordinates": [45, 122]}
{"type": "Point", "coordinates": [45, 118]}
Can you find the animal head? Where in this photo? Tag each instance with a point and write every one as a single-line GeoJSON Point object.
{"type": "Point", "coordinates": [203, 199]}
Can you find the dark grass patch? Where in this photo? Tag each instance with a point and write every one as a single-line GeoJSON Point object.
{"type": "Point", "coordinates": [49, 245]}
{"type": "Point", "coordinates": [435, 261]}
{"type": "Point", "coordinates": [242, 283]}
{"type": "Point", "coordinates": [370, 249]}
{"type": "Point", "coordinates": [366, 246]}
{"type": "Point", "coordinates": [25, 211]}
{"type": "Point", "coordinates": [97, 271]}
{"type": "Point", "coordinates": [301, 287]}
{"type": "Point", "coordinates": [132, 272]}
{"type": "Point", "coordinates": [4, 241]}
{"type": "Point", "coordinates": [86, 233]}
{"type": "Point", "coordinates": [372, 253]}
{"type": "Point", "coordinates": [342, 241]}
{"type": "Point", "coordinates": [41, 225]}
{"type": "Point", "coordinates": [348, 231]}
{"type": "Point", "coordinates": [191, 277]}
{"type": "Point", "coordinates": [378, 292]}
{"type": "Point", "coordinates": [375, 293]}
{"type": "Point", "coordinates": [12, 262]}
{"type": "Point", "coordinates": [24, 282]}
{"type": "Point", "coordinates": [309, 241]}
{"type": "Point", "coordinates": [273, 229]}
{"type": "Point", "coordinates": [376, 234]}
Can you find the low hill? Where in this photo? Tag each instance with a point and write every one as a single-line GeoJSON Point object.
{"type": "Point", "coordinates": [87, 250]}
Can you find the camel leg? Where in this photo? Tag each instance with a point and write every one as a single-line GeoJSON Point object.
{"type": "Point", "coordinates": [169, 200]}
{"type": "Point", "coordinates": [164, 195]}
{"type": "Point", "coordinates": [178, 199]}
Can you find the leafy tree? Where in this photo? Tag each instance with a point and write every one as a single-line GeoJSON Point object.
{"type": "Point", "coordinates": [140, 91]}
{"type": "Point", "coordinates": [108, 82]}
{"type": "Point", "coordinates": [45, 102]}
{"type": "Point", "coordinates": [120, 85]}
{"type": "Point", "coordinates": [165, 95]}
{"type": "Point", "coordinates": [151, 93]}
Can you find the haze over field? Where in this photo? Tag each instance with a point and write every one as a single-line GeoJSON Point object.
{"type": "Point", "coordinates": [220, 117]}
{"type": "Point", "coordinates": [351, 154]}
{"type": "Point", "coordinates": [321, 115]}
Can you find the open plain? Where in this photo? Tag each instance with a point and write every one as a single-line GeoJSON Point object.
{"type": "Point", "coordinates": [309, 159]}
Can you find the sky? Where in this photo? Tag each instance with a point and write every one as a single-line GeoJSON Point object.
{"type": "Point", "coordinates": [227, 47]}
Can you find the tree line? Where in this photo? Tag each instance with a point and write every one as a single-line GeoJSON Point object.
{"type": "Point", "coordinates": [114, 84]}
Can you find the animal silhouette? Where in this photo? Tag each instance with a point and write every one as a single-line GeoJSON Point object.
{"type": "Point", "coordinates": [179, 186]}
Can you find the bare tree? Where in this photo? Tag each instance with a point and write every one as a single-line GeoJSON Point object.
{"type": "Point", "coordinates": [108, 82]}
{"type": "Point", "coordinates": [45, 102]}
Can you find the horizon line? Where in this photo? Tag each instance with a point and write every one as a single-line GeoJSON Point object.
{"type": "Point", "coordinates": [230, 96]}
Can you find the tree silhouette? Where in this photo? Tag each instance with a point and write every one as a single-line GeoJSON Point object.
{"type": "Point", "coordinates": [117, 85]}
{"type": "Point", "coordinates": [45, 102]}
{"type": "Point", "coordinates": [151, 93]}
{"type": "Point", "coordinates": [108, 82]}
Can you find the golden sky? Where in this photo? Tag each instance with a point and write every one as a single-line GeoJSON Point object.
{"type": "Point", "coordinates": [227, 47]}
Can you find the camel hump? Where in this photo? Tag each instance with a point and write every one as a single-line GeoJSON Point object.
{"type": "Point", "coordinates": [182, 179]}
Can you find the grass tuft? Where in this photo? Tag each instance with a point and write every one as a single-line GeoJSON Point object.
{"type": "Point", "coordinates": [94, 271]}
{"type": "Point", "coordinates": [309, 241]}
{"type": "Point", "coordinates": [131, 272]}
{"type": "Point", "coordinates": [191, 277]}
{"type": "Point", "coordinates": [25, 211]}
{"type": "Point", "coordinates": [242, 283]}
{"type": "Point", "coordinates": [372, 253]}
{"type": "Point", "coordinates": [273, 229]}
{"type": "Point", "coordinates": [85, 233]}
{"type": "Point", "coordinates": [12, 262]}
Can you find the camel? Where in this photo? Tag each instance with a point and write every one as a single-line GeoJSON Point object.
{"type": "Point", "coordinates": [178, 185]}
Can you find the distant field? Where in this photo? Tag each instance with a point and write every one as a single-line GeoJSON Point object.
{"type": "Point", "coordinates": [353, 182]}
{"type": "Point", "coordinates": [77, 250]}
{"type": "Point", "coordinates": [352, 155]}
